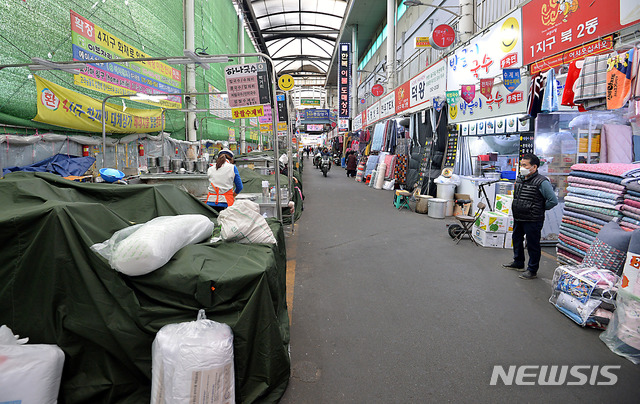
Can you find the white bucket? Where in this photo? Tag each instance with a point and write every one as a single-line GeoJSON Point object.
{"type": "Point", "coordinates": [446, 191]}
{"type": "Point", "coordinates": [437, 208]}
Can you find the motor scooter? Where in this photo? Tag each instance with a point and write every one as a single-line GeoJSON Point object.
{"type": "Point", "coordinates": [316, 160]}
{"type": "Point", "coordinates": [325, 165]}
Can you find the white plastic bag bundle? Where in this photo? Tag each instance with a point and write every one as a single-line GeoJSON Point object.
{"type": "Point", "coordinates": [29, 374]}
{"type": "Point", "coordinates": [143, 248]}
{"type": "Point", "coordinates": [193, 363]}
{"type": "Point", "coordinates": [242, 222]}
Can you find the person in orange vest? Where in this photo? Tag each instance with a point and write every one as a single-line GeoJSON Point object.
{"type": "Point", "coordinates": [223, 176]}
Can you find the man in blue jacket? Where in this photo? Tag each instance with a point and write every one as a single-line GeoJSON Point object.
{"type": "Point", "coordinates": [533, 195]}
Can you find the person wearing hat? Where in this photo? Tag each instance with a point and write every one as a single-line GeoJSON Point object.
{"type": "Point", "coordinates": [223, 177]}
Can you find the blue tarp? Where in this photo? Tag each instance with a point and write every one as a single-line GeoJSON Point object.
{"type": "Point", "coordinates": [61, 164]}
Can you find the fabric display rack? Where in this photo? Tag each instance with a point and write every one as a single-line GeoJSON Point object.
{"type": "Point", "coordinates": [599, 254]}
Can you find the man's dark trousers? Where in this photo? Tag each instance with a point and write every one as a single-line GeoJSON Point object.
{"type": "Point", "coordinates": [532, 230]}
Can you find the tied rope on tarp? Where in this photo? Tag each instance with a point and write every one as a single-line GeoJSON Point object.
{"type": "Point", "coordinates": [60, 164]}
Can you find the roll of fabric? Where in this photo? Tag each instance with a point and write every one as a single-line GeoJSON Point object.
{"type": "Point", "coordinates": [382, 168]}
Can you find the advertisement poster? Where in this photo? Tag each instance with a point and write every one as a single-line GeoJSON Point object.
{"type": "Point", "coordinates": [66, 108]}
{"type": "Point", "coordinates": [91, 42]}
{"type": "Point", "coordinates": [551, 26]}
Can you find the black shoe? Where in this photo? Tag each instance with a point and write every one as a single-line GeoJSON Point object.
{"type": "Point", "coordinates": [513, 265]}
{"type": "Point", "coordinates": [527, 275]}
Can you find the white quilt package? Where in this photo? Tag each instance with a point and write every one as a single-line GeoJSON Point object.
{"type": "Point", "coordinates": [192, 362]}
{"type": "Point", "coordinates": [29, 373]}
{"type": "Point", "coordinates": [143, 248]}
{"type": "Point", "coordinates": [242, 222]}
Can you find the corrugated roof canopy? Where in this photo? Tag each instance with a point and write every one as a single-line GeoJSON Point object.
{"type": "Point", "coordinates": [300, 35]}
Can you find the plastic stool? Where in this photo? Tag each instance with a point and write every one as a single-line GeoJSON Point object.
{"type": "Point", "coordinates": [401, 199]}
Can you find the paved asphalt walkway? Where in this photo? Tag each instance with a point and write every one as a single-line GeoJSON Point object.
{"type": "Point", "coordinates": [387, 309]}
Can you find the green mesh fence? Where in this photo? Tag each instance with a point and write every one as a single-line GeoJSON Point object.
{"type": "Point", "coordinates": [39, 28]}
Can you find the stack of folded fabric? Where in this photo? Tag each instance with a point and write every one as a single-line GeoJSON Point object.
{"type": "Point", "coordinates": [596, 196]}
{"type": "Point", "coordinates": [372, 163]}
{"type": "Point", "coordinates": [390, 161]}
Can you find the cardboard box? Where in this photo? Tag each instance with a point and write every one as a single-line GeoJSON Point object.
{"type": "Point", "coordinates": [494, 222]}
{"type": "Point", "coordinates": [457, 210]}
{"type": "Point", "coordinates": [488, 239]}
{"type": "Point", "coordinates": [508, 239]}
{"type": "Point", "coordinates": [503, 203]}
{"type": "Point", "coordinates": [509, 224]}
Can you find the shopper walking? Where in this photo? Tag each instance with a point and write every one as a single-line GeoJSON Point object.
{"type": "Point", "coordinates": [533, 195]}
{"type": "Point", "coordinates": [352, 164]}
{"type": "Point", "coordinates": [223, 177]}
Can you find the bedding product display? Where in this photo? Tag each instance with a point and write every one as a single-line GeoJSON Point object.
{"type": "Point", "coordinates": [597, 194]}
{"type": "Point", "coordinates": [609, 250]}
{"type": "Point", "coordinates": [372, 163]}
{"type": "Point", "coordinates": [623, 332]}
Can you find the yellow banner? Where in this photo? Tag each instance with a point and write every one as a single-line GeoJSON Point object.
{"type": "Point", "coordinates": [100, 86]}
{"type": "Point", "coordinates": [266, 127]}
{"type": "Point", "coordinates": [66, 108]}
{"type": "Point", "coordinates": [282, 126]}
{"type": "Point", "coordinates": [247, 112]}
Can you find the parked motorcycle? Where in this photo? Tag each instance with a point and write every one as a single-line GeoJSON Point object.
{"type": "Point", "coordinates": [337, 160]}
{"type": "Point", "coordinates": [325, 165]}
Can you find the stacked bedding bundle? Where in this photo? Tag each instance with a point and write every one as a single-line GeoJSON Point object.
{"type": "Point", "coordinates": [597, 195]}
{"type": "Point", "coordinates": [372, 163]}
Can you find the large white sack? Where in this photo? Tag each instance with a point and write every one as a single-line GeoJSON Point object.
{"type": "Point", "coordinates": [29, 374]}
{"type": "Point", "coordinates": [140, 249]}
{"type": "Point", "coordinates": [192, 362]}
{"type": "Point", "coordinates": [243, 222]}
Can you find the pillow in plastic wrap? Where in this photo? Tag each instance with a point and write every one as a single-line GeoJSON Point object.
{"type": "Point", "coordinates": [242, 222]}
{"type": "Point", "coordinates": [29, 373]}
{"type": "Point", "coordinates": [192, 362]}
{"type": "Point", "coordinates": [143, 248]}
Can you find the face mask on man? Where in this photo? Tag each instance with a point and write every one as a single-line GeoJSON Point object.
{"type": "Point", "coordinates": [524, 171]}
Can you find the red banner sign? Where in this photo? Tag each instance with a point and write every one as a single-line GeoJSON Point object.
{"type": "Point", "coordinates": [550, 26]}
{"type": "Point", "coordinates": [403, 94]}
{"type": "Point", "coordinates": [486, 86]}
{"type": "Point", "coordinates": [597, 47]}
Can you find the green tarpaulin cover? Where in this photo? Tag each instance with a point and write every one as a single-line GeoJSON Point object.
{"type": "Point", "coordinates": [55, 290]}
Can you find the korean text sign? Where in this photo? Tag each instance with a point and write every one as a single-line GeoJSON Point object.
{"type": "Point", "coordinates": [62, 107]}
{"type": "Point", "coordinates": [247, 84]}
{"type": "Point", "coordinates": [90, 42]}
{"type": "Point", "coordinates": [551, 27]}
{"type": "Point", "coordinates": [487, 54]}
{"type": "Point", "coordinates": [344, 72]}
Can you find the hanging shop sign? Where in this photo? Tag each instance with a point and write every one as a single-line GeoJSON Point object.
{"type": "Point", "coordinates": [487, 54]}
{"type": "Point", "coordinates": [316, 114]}
{"type": "Point", "coordinates": [247, 112]}
{"type": "Point", "coordinates": [59, 106]}
{"type": "Point", "coordinates": [468, 92]}
{"type": "Point", "coordinates": [373, 113]}
{"type": "Point", "coordinates": [314, 128]}
{"type": "Point", "coordinates": [266, 115]}
{"type": "Point", "coordinates": [247, 84]}
{"type": "Point", "coordinates": [281, 108]}
{"type": "Point", "coordinates": [343, 125]}
{"type": "Point", "coordinates": [282, 127]}
{"type": "Point", "coordinates": [551, 27]}
{"type": "Point", "coordinates": [442, 37]}
{"type": "Point", "coordinates": [452, 97]}
{"type": "Point", "coordinates": [266, 127]}
{"type": "Point", "coordinates": [377, 90]}
{"type": "Point", "coordinates": [388, 105]}
{"type": "Point", "coordinates": [232, 135]}
{"type": "Point", "coordinates": [421, 42]}
{"type": "Point", "coordinates": [597, 47]}
{"type": "Point", "coordinates": [309, 101]}
{"type": "Point", "coordinates": [403, 97]}
{"type": "Point", "coordinates": [499, 103]}
{"type": "Point", "coordinates": [430, 83]}
{"type": "Point", "coordinates": [511, 79]}
{"type": "Point", "coordinates": [344, 80]}
{"type": "Point", "coordinates": [357, 122]}
{"type": "Point", "coordinates": [486, 85]}
{"type": "Point", "coordinates": [285, 82]}
{"type": "Point", "coordinates": [219, 104]}
{"type": "Point", "coordinates": [90, 42]}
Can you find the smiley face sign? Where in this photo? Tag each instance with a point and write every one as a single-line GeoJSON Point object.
{"type": "Point", "coordinates": [285, 82]}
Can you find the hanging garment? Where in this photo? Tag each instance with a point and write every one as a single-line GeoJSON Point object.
{"type": "Point", "coordinates": [619, 79]}
{"type": "Point", "coordinates": [401, 169]}
{"type": "Point", "coordinates": [536, 89]}
{"type": "Point", "coordinates": [616, 145]}
{"type": "Point", "coordinates": [635, 77]}
{"type": "Point", "coordinates": [550, 96]}
{"type": "Point", "coordinates": [591, 86]}
{"type": "Point", "coordinates": [574, 71]}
